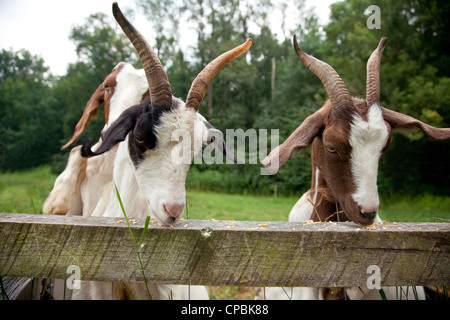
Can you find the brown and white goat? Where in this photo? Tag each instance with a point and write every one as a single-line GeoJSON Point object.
{"type": "Point", "coordinates": [141, 144]}
{"type": "Point", "coordinates": [348, 136]}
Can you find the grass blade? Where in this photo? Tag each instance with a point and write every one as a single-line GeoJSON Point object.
{"type": "Point", "coordinates": [144, 233]}
{"type": "Point", "coordinates": [134, 240]}
{"type": "Point", "coordinates": [416, 294]}
{"type": "Point", "coordinates": [33, 205]}
{"type": "Point", "coordinates": [382, 294]}
{"type": "Point", "coordinates": [4, 296]}
{"type": "Point", "coordinates": [289, 297]}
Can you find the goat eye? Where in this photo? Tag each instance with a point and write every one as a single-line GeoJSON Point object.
{"type": "Point", "coordinates": [139, 141]}
{"type": "Point", "coordinates": [331, 149]}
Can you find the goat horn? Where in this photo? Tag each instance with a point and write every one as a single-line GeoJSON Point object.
{"type": "Point", "coordinates": [206, 76]}
{"type": "Point", "coordinates": [336, 88]}
{"type": "Point", "coordinates": [373, 74]}
{"type": "Point", "coordinates": [158, 82]}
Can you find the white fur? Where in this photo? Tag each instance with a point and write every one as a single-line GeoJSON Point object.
{"type": "Point", "coordinates": [131, 86]}
{"type": "Point", "coordinates": [316, 185]}
{"type": "Point", "coordinates": [86, 186]}
{"type": "Point", "coordinates": [158, 179]}
{"type": "Point", "coordinates": [66, 195]}
{"type": "Point", "coordinates": [288, 293]}
{"type": "Point", "coordinates": [302, 210]}
{"type": "Point", "coordinates": [111, 291]}
{"type": "Point", "coordinates": [76, 190]}
{"type": "Point", "coordinates": [367, 140]}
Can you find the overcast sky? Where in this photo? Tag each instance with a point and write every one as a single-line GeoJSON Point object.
{"type": "Point", "coordinates": [43, 26]}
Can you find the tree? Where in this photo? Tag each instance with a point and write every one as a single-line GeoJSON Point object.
{"type": "Point", "coordinates": [164, 16]}
{"type": "Point", "coordinates": [27, 111]}
{"type": "Point", "coordinates": [101, 44]}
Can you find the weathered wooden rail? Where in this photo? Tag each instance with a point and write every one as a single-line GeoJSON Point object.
{"type": "Point", "coordinates": [225, 252]}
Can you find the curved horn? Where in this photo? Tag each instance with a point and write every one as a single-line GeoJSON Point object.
{"type": "Point", "coordinates": [206, 76]}
{"type": "Point", "coordinates": [336, 88]}
{"type": "Point", "coordinates": [373, 74]}
{"type": "Point", "coordinates": [158, 82]}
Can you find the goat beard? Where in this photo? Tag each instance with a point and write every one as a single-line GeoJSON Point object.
{"type": "Point", "coordinates": [326, 207]}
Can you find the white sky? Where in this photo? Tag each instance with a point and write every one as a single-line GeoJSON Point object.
{"type": "Point", "coordinates": [43, 26]}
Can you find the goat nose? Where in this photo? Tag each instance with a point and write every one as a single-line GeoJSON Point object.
{"type": "Point", "coordinates": [368, 213]}
{"type": "Point", "coordinates": [175, 210]}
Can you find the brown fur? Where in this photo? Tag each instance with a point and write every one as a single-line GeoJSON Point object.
{"type": "Point", "coordinates": [103, 93]}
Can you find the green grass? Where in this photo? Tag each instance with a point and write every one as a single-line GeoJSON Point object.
{"type": "Point", "coordinates": [204, 205]}
{"type": "Point", "coordinates": [212, 205]}
{"type": "Point", "coordinates": [423, 208]}
{"type": "Point", "coordinates": [26, 191]}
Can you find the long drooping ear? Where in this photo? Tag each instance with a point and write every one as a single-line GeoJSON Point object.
{"type": "Point", "coordinates": [90, 111]}
{"type": "Point", "coordinates": [215, 136]}
{"type": "Point", "coordinates": [117, 132]}
{"type": "Point", "coordinates": [409, 124]}
{"type": "Point", "coordinates": [300, 139]}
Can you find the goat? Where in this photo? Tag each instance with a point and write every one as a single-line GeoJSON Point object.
{"type": "Point", "coordinates": [81, 188]}
{"type": "Point", "coordinates": [145, 173]}
{"type": "Point", "coordinates": [75, 191]}
{"type": "Point", "coordinates": [348, 136]}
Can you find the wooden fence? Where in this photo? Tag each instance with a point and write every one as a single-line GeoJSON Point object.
{"type": "Point", "coordinates": [225, 253]}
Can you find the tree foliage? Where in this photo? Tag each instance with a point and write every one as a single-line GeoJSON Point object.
{"type": "Point", "coordinates": [268, 88]}
{"type": "Point", "coordinates": [27, 111]}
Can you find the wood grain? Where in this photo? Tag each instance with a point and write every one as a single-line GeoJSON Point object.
{"type": "Point", "coordinates": [242, 253]}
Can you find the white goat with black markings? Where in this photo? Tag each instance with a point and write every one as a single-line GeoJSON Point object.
{"type": "Point", "coordinates": [149, 177]}
{"type": "Point", "coordinates": [348, 136]}
{"type": "Point", "coordinates": [145, 169]}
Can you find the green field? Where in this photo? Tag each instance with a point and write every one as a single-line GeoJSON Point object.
{"type": "Point", "coordinates": [25, 192]}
